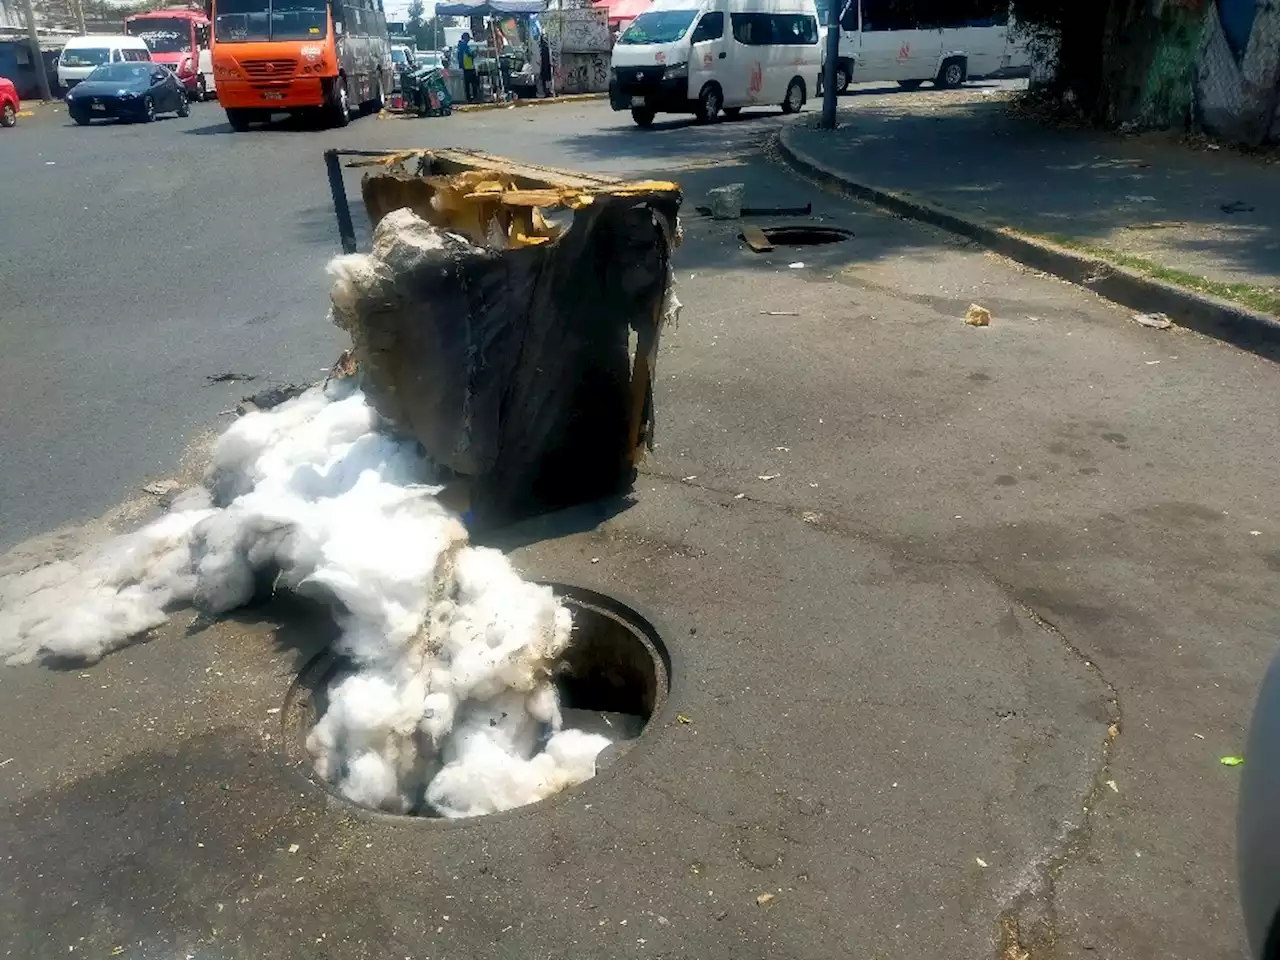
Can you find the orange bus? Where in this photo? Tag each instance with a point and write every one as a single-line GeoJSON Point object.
{"type": "Point", "coordinates": [319, 56]}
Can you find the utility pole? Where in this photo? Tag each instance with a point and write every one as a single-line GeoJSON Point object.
{"type": "Point", "coordinates": [42, 78]}
{"type": "Point", "coordinates": [829, 69]}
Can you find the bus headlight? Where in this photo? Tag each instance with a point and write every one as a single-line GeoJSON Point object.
{"type": "Point", "coordinates": [676, 71]}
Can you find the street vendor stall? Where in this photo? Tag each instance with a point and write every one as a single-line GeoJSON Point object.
{"type": "Point", "coordinates": [506, 44]}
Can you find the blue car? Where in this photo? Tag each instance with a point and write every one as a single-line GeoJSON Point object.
{"type": "Point", "coordinates": [135, 90]}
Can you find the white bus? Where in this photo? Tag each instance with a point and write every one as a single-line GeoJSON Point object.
{"type": "Point", "coordinates": [707, 56]}
{"type": "Point", "coordinates": [911, 41]}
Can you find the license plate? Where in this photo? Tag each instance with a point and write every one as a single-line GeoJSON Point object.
{"type": "Point", "coordinates": [273, 95]}
{"type": "Point", "coordinates": [637, 101]}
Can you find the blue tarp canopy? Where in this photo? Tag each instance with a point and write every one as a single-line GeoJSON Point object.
{"type": "Point", "coordinates": [490, 8]}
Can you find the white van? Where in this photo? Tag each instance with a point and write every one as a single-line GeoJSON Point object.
{"type": "Point", "coordinates": [82, 55]}
{"type": "Point", "coordinates": [912, 42]}
{"type": "Point", "coordinates": [705, 56]}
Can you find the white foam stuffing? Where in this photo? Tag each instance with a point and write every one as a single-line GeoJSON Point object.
{"type": "Point", "coordinates": [450, 704]}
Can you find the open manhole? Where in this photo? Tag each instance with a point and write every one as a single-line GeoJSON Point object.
{"type": "Point", "coordinates": [802, 235]}
{"type": "Point", "coordinates": [611, 680]}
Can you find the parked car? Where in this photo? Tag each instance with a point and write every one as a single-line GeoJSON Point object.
{"type": "Point", "coordinates": [82, 55]}
{"type": "Point", "coordinates": [128, 91]}
{"type": "Point", "coordinates": [9, 104]}
{"type": "Point", "coordinates": [1258, 822]}
{"type": "Point", "coordinates": [402, 62]}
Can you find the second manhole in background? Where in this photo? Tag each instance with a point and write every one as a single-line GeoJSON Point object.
{"type": "Point", "coordinates": [804, 235]}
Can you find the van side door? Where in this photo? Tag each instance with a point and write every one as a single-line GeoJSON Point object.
{"type": "Point", "coordinates": [708, 57]}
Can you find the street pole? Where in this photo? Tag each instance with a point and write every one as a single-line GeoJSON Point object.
{"type": "Point", "coordinates": [42, 78]}
{"type": "Point", "coordinates": [829, 69]}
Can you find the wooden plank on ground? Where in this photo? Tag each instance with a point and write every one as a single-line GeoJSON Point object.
{"type": "Point", "coordinates": [756, 239]}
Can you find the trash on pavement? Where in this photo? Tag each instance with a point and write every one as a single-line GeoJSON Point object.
{"type": "Point", "coordinates": [756, 239]}
{"type": "Point", "coordinates": [980, 861]}
{"type": "Point", "coordinates": [1157, 321]}
{"type": "Point", "coordinates": [1112, 785]}
{"type": "Point", "coordinates": [764, 899]}
{"type": "Point", "coordinates": [1231, 761]}
{"type": "Point", "coordinates": [726, 201]}
{"type": "Point", "coordinates": [159, 488]}
{"type": "Point", "coordinates": [977, 316]}
{"type": "Point", "coordinates": [681, 718]}
{"type": "Point", "coordinates": [498, 333]}
{"type": "Point", "coordinates": [798, 265]}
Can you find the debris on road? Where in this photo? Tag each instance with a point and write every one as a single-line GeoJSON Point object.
{"type": "Point", "coordinates": [726, 201]}
{"type": "Point", "coordinates": [798, 265]}
{"type": "Point", "coordinates": [756, 239]}
{"type": "Point", "coordinates": [230, 377]}
{"type": "Point", "coordinates": [160, 488]}
{"type": "Point", "coordinates": [980, 861]}
{"type": "Point", "coordinates": [779, 313]}
{"type": "Point", "coordinates": [765, 899]}
{"type": "Point", "coordinates": [1157, 321]}
{"type": "Point", "coordinates": [681, 718]}
{"type": "Point", "coordinates": [293, 848]}
{"type": "Point", "coordinates": [768, 476]}
{"type": "Point", "coordinates": [977, 316]}
{"type": "Point", "coordinates": [270, 397]}
{"type": "Point", "coordinates": [1112, 785]}
{"type": "Point", "coordinates": [1231, 761]}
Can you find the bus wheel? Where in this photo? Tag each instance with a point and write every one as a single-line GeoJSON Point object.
{"type": "Point", "coordinates": [844, 76]}
{"type": "Point", "coordinates": [951, 75]}
{"type": "Point", "coordinates": [239, 119]}
{"type": "Point", "coordinates": [795, 96]}
{"type": "Point", "coordinates": [339, 103]}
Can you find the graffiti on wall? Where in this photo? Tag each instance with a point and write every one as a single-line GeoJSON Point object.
{"type": "Point", "coordinates": [582, 73]}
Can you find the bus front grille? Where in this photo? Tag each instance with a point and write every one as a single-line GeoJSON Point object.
{"type": "Point", "coordinates": [268, 69]}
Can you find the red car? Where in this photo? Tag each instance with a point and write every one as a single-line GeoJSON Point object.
{"type": "Point", "coordinates": [8, 103]}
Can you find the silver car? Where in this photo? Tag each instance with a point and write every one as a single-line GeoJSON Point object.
{"type": "Point", "coordinates": [1258, 824]}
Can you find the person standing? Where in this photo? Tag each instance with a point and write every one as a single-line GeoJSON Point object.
{"type": "Point", "coordinates": [467, 61]}
{"type": "Point", "coordinates": [544, 66]}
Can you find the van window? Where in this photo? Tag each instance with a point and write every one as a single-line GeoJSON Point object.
{"type": "Point", "coordinates": [765, 29]}
{"type": "Point", "coordinates": [658, 26]}
{"type": "Point", "coordinates": [878, 15]}
{"type": "Point", "coordinates": [710, 27]}
{"type": "Point", "coordinates": [85, 56]}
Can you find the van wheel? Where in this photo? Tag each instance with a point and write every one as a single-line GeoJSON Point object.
{"type": "Point", "coordinates": [239, 119]}
{"type": "Point", "coordinates": [910, 84]}
{"type": "Point", "coordinates": [709, 103]}
{"type": "Point", "coordinates": [795, 96]}
{"type": "Point", "coordinates": [844, 76]}
{"type": "Point", "coordinates": [732, 112]}
{"type": "Point", "coordinates": [643, 116]}
{"type": "Point", "coordinates": [951, 74]}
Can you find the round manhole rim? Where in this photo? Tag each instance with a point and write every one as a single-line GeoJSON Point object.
{"type": "Point", "coordinates": [781, 235]}
{"type": "Point", "coordinates": [297, 713]}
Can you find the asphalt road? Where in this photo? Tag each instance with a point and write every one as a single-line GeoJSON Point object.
{"type": "Point", "coordinates": [958, 672]}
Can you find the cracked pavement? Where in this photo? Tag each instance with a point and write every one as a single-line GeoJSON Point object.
{"type": "Point", "coordinates": [993, 572]}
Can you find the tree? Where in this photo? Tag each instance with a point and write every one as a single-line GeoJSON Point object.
{"type": "Point", "coordinates": [1163, 63]}
{"type": "Point", "coordinates": [416, 10]}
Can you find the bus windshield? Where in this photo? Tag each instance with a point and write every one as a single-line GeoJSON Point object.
{"type": "Point", "coordinates": [238, 21]}
{"type": "Point", "coordinates": [163, 35]}
{"type": "Point", "coordinates": [658, 26]}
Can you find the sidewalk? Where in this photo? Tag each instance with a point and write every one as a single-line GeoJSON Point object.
{"type": "Point", "coordinates": [1208, 220]}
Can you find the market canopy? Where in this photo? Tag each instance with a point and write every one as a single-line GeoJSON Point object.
{"type": "Point", "coordinates": [490, 8]}
{"type": "Point", "coordinates": [625, 9]}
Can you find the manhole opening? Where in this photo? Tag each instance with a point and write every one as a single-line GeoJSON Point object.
{"type": "Point", "coordinates": [803, 236]}
{"type": "Point", "coordinates": [611, 680]}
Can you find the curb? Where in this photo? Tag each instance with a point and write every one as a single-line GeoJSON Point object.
{"type": "Point", "coordinates": [530, 102]}
{"type": "Point", "coordinates": [1208, 315]}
